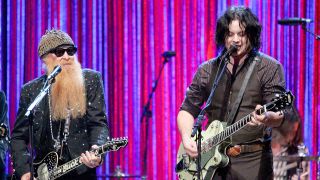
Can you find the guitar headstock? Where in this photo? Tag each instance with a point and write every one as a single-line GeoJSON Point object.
{"type": "Point", "coordinates": [281, 101]}
{"type": "Point", "coordinates": [115, 144]}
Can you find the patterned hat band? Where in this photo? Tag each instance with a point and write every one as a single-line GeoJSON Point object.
{"type": "Point", "coordinates": [52, 39]}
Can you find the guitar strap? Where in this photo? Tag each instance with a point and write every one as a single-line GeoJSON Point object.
{"type": "Point", "coordinates": [235, 106]}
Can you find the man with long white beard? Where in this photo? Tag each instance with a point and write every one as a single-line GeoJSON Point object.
{"type": "Point", "coordinates": [70, 120]}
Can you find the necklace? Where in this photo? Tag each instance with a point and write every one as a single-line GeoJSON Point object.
{"type": "Point", "coordinates": [57, 143]}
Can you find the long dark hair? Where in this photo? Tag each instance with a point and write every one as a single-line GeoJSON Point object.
{"type": "Point", "coordinates": [246, 18]}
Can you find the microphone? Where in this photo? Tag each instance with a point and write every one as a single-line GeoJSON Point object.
{"type": "Point", "coordinates": [233, 48]}
{"type": "Point", "coordinates": [168, 54]}
{"type": "Point", "coordinates": [54, 73]}
{"type": "Point", "coordinates": [294, 21]}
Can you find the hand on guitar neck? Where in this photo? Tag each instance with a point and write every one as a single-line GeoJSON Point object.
{"type": "Point", "coordinates": [268, 118]}
{"type": "Point", "coordinates": [90, 159]}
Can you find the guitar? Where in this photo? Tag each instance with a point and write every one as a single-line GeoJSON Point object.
{"type": "Point", "coordinates": [216, 139]}
{"type": "Point", "coordinates": [48, 167]}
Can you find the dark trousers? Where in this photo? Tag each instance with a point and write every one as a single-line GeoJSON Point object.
{"type": "Point", "coordinates": [2, 173]}
{"type": "Point", "coordinates": [89, 175]}
{"type": "Point", "coordinates": [248, 166]}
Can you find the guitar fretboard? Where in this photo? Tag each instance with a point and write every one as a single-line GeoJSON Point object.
{"type": "Point", "coordinates": [217, 139]}
{"type": "Point", "coordinates": [75, 163]}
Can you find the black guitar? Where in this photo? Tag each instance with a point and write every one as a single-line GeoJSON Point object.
{"type": "Point", "coordinates": [48, 167]}
{"type": "Point", "coordinates": [216, 139]}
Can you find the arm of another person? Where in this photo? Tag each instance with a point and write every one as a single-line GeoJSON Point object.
{"type": "Point", "coordinates": [3, 110]}
{"type": "Point", "coordinates": [3, 119]}
{"type": "Point", "coordinates": [20, 139]}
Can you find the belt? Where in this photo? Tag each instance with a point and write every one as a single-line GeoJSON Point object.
{"type": "Point", "coordinates": [236, 150]}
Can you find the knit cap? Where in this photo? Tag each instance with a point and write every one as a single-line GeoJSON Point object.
{"type": "Point", "coordinates": [52, 39]}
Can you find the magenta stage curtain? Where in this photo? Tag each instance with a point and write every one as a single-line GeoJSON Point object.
{"type": "Point", "coordinates": [124, 40]}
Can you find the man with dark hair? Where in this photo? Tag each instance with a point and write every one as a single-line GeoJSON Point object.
{"type": "Point", "coordinates": [4, 134]}
{"type": "Point", "coordinates": [250, 152]}
{"type": "Point", "coordinates": [70, 120]}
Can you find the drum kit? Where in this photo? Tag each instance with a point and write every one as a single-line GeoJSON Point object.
{"type": "Point", "coordinates": [296, 158]}
{"type": "Point", "coordinates": [300, 157]}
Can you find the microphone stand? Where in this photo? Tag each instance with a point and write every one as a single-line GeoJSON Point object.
{"type": "Point", "coordinates": [198, 125]}
{"type": "Point", "coordinates": [307, 30]}
{"type": "Point", "coordinates": [147, 113]}
{"type": "Point", "coordinates": [29, 116]}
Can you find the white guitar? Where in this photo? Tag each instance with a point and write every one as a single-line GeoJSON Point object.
{"type": "Point", "coordinates": [216, 139]}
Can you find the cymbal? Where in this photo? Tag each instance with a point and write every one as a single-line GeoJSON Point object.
{"type": "Point", "coordinates": [118, 173]}
{"type": "Point", "coordinates": [296, 158]}
{"type": "Point", "coordinates": [123, 175]}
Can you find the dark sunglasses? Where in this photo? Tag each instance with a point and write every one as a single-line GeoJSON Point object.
{"type": "Point", "coordinates": [60, 51]}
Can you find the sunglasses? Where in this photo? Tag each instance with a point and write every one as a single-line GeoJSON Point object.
{"type": "Point", "coordinates": [60, 51]}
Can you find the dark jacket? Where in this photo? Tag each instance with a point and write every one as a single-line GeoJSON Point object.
{"type": "Point", "coordinates": [84, 132]}
{"type": "Point", "coordinates": [3, 119]}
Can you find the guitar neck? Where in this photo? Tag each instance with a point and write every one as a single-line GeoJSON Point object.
{"type": "Point", "coordinates": [236, 126]}
{"type": "Point", "coordinates": [75, 163]}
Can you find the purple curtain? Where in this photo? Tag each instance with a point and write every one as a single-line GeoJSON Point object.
{"type": "Point", "coordinates": [124, 40]}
